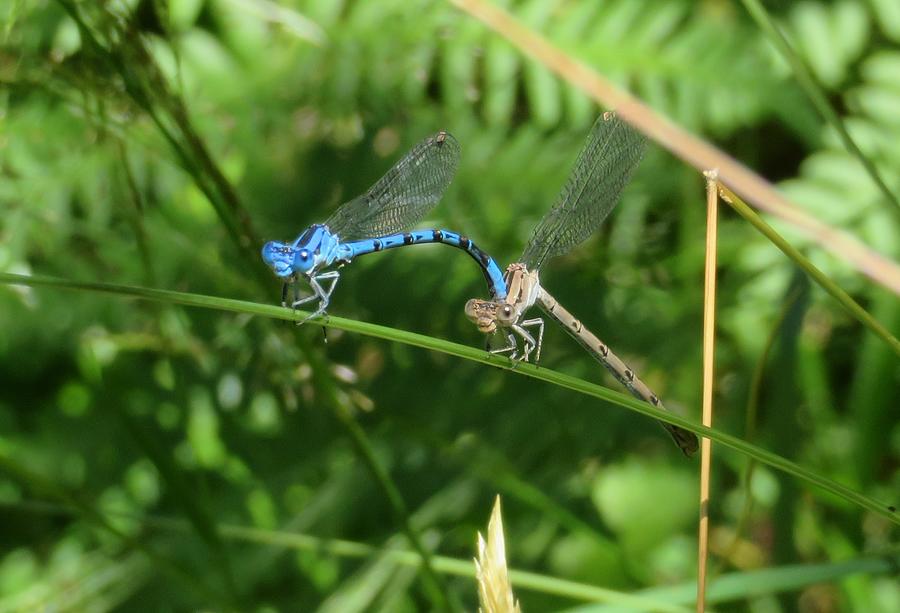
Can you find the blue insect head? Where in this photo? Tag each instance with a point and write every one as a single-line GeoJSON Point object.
{"type": "Point", "coordinates": [315, 248]}
{"type": "Point", "coordinates": [279, 257]}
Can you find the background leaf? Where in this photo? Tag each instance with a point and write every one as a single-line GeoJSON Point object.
{"type": "Point", "coordinates": [167, 156]}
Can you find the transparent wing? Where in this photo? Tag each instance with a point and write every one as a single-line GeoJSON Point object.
{"type": "Point", "coordinates": [404, 195]}
{"type": "Point", "coordinates": [612, 151]}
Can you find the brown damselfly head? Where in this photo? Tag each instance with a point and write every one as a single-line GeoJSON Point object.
{"type": "Point", "coordinates": [482, 313]}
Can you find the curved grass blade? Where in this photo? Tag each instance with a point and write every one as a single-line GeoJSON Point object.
{"type": "Point", "coordinates": [476, 355]}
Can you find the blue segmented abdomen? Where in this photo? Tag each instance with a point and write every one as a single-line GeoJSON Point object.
{"type": "Point", "coordinates": [492, 272]}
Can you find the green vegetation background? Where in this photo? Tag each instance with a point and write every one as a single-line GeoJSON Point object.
{"type": "Point", "coordinates": [139, 409]}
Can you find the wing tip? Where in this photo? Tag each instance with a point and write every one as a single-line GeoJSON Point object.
{"type": "Point", "coordinates": [443, 138]}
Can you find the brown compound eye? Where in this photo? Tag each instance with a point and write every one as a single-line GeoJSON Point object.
{"type": "Point", "coordinates": [471, 308]}
{"type": "Point", "coordinates": [506, 314]}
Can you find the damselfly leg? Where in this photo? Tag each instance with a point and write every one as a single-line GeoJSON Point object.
{"type": "Point", "coordinates": [511, 347]}
{"type": "Point", "coordinates": [320, 293]}
{"type": "Point", "coordinates": [292, 286]}
{"type": "Point", "coordinates": [529, 343]}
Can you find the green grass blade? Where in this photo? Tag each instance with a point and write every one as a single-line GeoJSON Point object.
{"type": "Point", "coordinates": [751, 413]}
{"type": "Point", "coordinates": [725, 588]}
{"type": "Point", "coordinates": [352, 549]}
{"type": "Point", "coordinates": [815, 94]}
{"type": "Point", "coordinates": [788, 578]}
{"type": "Point", "coordinates": [850, 305]}
{"type": "Point", "coordinates": [476, 355]}
{"type": "Point", "coordinates": [872, 404]}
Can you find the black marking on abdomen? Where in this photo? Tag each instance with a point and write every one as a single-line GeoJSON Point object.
{"type": "Point", "coordinates": [437, 235]}
{"type": "Point", "coordinates": [654, 400]}
{"type": "Point", "coordinates": [376, 244]}
{"type": "Point", "coordinates": [629, 375]}
{"type": "Point", "coordinates": [408, 239]}
{"type": "Point", "coordinates": [603, 349]}
{"type": "Point", "coordinates": [464, 242]}
{"type": "Point", "coordinates": [480, 255]}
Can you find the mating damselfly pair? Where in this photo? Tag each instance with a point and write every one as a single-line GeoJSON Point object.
{"type": "Point", "coordinates": [377, 220]}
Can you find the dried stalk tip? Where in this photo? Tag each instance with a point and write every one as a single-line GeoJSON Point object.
{"type": "Point", "coordinates": [494, 591]}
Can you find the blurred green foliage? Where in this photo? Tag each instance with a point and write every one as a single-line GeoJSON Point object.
{"type": "Point", "coordinates": [158, 143]}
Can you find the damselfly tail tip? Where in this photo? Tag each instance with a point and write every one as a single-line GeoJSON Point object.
{"type": "Point", "coordinates": [688, 443]}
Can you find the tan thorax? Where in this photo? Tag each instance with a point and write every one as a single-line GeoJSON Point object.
{"type": "Point", "coordinates": [522, 287]}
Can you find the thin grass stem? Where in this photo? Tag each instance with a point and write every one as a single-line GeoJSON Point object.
{"type": "Point", "coordinates": [850, 305]}
{"type": "Point", "coordinates": [475, 355]}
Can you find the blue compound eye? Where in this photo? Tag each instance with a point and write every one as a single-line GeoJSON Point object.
{"type": "Point", "coordinates": [304, 261]}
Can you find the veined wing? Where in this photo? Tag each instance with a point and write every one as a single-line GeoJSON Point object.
{"type": "Point", "coordinates": [612, 151]}
{"type": "Point", "coordinates": [404, 195]}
